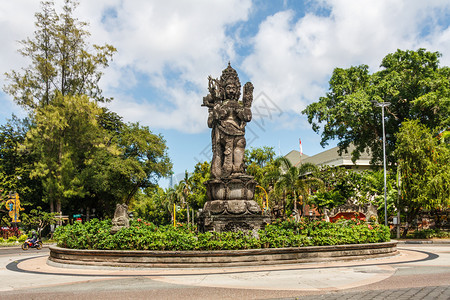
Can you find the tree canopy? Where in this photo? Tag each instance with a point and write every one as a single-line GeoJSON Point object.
{"type": "Point", "coordinates": [60, 60]}
{"type": "Point", "coordinates": [411, 81]}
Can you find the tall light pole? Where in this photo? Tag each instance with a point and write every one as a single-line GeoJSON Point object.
{"type": "Point", "coordinates": [382, 105]}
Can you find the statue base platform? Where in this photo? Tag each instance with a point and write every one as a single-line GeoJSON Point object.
{"type": "Point", "coordinates": [221, 223]}
{"type": "Point", "coordinates": [231, 206]}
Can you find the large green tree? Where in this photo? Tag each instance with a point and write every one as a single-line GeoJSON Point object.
{"type": "Point", "coordinates": [424, 168]}
{"type": "Point", "coordinates": [131, 159]}
{"type": "Point", "coordinates": [16, 165]}
{"type": "Point", "coordinates": [412, 81]}
{"type": "Point", "coordinates": [61, 60]}
{"type": "Point", "coordinates": [144, 158]}
{"type": "Point", "coordinates": [64, 139]}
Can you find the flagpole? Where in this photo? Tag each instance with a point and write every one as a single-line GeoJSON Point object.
{"type": "Point", "coordinates": [301, 150]}
{"type": "Point", "coordinates": [301, 155]}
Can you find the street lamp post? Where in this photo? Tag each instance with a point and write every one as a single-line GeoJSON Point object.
{"type": "Point", "coordinates": [382, 105]}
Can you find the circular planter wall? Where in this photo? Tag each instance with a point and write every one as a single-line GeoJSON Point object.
{"type": "Point", "coordinates": [220, 258]}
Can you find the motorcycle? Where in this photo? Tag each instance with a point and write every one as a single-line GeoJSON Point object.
{"type": "Point", "coordinates": [29, 244]}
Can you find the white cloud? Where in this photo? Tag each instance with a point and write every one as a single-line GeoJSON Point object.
{"type": "Point", "coordinates": [175, 45]}
{"type": "Point", "coordinates": [183, 112]}
{"type": "Point", "coordinates": [166, 49]}
{"type": "Point", "coordinates": [293, 58]}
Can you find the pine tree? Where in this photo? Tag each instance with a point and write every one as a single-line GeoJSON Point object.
{"type": "Point", "coordinates": [60, 60]}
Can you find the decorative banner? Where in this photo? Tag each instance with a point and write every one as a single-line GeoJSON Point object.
{"type": "Point", "coordinates": [14, 208]}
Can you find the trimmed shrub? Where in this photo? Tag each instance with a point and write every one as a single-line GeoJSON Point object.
{"type": "Point", "coordinates": [22, 238]}
{"type": "Point", "coordinates": [430, 233]}
{"type": "Point", "coordinates": [142, 235]}
{"type": "Point", "coordinates": [12, 239]}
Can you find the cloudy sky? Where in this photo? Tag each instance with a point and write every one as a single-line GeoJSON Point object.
{"type": "Point", "coordinates": [287, 49]}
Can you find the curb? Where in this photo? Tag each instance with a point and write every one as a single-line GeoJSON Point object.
{"type": "Point", "coordinates": [7, 247]}
{"type": "Point", "coordinates": [221, 258]}
{"type": "Point", "coordinates": [435, 242]}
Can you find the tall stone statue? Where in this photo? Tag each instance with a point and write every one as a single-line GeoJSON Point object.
{"type": "Point", "coordinates": [227, 117]}
{"type": "Point", "coordinates": [230, 205]}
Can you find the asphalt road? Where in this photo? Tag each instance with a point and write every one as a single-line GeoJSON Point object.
{"type": "Point", "coordinates": [419, 272]}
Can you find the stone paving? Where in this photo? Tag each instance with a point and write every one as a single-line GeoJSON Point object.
{"type": "Point", "coordinates": [421, 271]}
{"type": "Point", "coordinates": [429, 292]}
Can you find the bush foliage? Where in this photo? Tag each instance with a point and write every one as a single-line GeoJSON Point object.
{"type": "Point", "coordinates": [142, 235]}
{"type": "Point", "coordinates": [430, 233]}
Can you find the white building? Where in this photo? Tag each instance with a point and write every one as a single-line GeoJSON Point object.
{"type": "Point", "coordinates": [332, 158]}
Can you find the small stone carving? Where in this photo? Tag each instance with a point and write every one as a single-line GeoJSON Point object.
{"type": "Point", "coordinates": [368, 210]}
{"type": "Point", "coordinates": [120, 219]}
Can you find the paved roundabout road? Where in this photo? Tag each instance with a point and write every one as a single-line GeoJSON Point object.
{"type": "Point", "coordinates": [418, 272]}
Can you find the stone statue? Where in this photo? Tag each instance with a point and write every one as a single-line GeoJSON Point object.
{"type": "Point", "coordinates": [230, 191]}
{"type": "Point", "coordinates": [120, 219]}
{"type": "Point", "coordinates": [227, 118]}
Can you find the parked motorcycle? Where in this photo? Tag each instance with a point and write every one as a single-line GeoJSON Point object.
{"type": "Point", "coordinates": [29, 244]}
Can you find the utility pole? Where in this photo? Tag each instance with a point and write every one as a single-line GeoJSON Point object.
{"type": "Point", "coordinates": [382, 105]}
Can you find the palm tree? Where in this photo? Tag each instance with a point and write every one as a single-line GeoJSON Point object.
{"type": "Point", "coordinates": [297, 181]}
{"type": "Point", "coordinates": [169, 201]}
{"type": "Point", "coordinates": [184, 190]}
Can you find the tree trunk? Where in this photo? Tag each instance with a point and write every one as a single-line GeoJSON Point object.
{"type": "Point", "coordinates": [187, 205]}
{"type": "Point", "coordinates": [437, 219]}
{"type": "Point", "coordinates": [409, 218]}
{"type": "Point", "coordinates": [295, 203]}
{"type": "Point", "coordinates": [405, 232]}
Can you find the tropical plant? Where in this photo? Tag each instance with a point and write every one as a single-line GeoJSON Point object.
{"type": "Point", "coordinates": [184, 192]}
{"type": "Point", "coordinates": [297, 181]}
{"type": "Point", "coordinates": [198, 178]}
{"type": "Point", "coordinates": [265, 168]}
{"type": "Point", "coordinates": [39, 219]}
{"type": "Point", "coordinates": [150, 204]}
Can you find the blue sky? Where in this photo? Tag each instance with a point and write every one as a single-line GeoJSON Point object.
{"type": "Point", "coordinates": [287, 49]}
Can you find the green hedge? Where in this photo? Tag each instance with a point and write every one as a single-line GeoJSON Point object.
{"type": "Point", "coordinates": [143, 235]}
{"type": "Point", "coordinates": [429, 234]}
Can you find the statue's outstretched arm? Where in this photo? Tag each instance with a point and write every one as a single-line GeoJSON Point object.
{"type": "Point", "coordinates": [247, 98]}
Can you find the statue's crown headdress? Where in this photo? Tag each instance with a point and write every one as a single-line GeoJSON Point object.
{"type": "Point", "coordinates": [229, 75]}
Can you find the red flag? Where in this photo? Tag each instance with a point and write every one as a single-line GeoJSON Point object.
{"type": "Point", "coordinates": [301, 149]}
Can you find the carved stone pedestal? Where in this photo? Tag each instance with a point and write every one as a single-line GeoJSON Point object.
{"type": "Point", "coordinates": [231, 206]}
{"type": "Point", "coordinates": [221, 223]}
